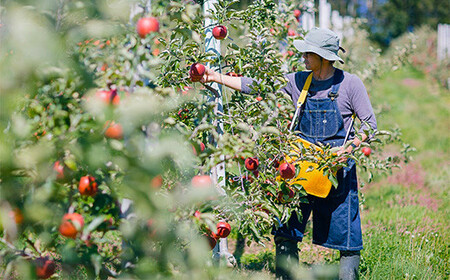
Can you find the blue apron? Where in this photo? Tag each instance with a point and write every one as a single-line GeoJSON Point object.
{"type": "Point", "coordinates": [336, 219]}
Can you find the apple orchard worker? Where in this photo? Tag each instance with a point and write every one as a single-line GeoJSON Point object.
{"type": "Point", "coordinates": [333, 97]}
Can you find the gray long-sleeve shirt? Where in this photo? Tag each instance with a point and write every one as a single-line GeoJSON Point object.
{"type": "Point", "coordinates": [353, 97]}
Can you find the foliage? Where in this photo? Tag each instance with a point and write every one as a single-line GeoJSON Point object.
{"type": "Point", "coordinates": [59, 59]}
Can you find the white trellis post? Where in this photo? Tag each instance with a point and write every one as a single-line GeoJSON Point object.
{"type": "Point", "coordinates": [139, 9]}
{"type": "Point", "coordinates": [218, 172]}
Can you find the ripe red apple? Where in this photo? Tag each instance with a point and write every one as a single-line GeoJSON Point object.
{"type": "Point", "coordinates": [251, 163]}
{"type": "Point", "coordinates": [16, 215]}
{"type": "Point", "coordinates": [114, 130]}
{"type": "Point", "coordinates": [202, 148]}
{"type": "Point", "coordinates": [297, 13]}
{"type": "Point", "coordinates": [259, 98]}
{"type": "Point", "coordinates": [59, 168]}
{"type": "Point", "coordinates": [88, 186]}
{"type": "Point", "coordinates": [366, 151]}
{"type": "Point", "coordinates": [156, 52]}
{"type": "Point", "coordinates": [145, 26]}
{"type": "Point", "coordinates": [287, 170]}
{"type": "Point", "coordinates": [285, 198]}
{"type": "Point", "coordinates": [212, 239]}
{"type": "Point", "coordinates": [220, 32]}
{"type": "Point", "coordinates": [223, 229]}
{"type": "Point", "coordinates": [183, 113]}
{"type": "Point", "coordinates": [157, 181]}
{"type": "Point", "coordinates": [108, 96]}
{"type": "Point", "coordinates": [45, 267]}
{"type": "Point", "coordinates": [71, 224]}
{"type": "Point", "coordinates": [196, 72]}
{"type": "Point", "coordinates": [201, 181]}
{"type": "Point", "coordinates": [291, 33]}
{"type": "Point", "coordinates": [197, 214]}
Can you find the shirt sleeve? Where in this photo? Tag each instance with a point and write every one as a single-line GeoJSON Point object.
{"type": "Point", "coordinates": [361, 105]}
{"type": "Point", "coordinates": [246, 82]}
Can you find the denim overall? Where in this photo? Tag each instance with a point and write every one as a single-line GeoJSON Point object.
{"type": "Point", "coordinates": [336, 220]}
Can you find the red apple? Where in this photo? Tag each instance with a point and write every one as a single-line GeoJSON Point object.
{"type": "Point", "coordinates": [16, 215]}
{"type": "Point", "coordinates": [196, 72]}
{"type": "Point", "coordinates": [45, 267]}
{"type": "Point", "coordinates": [212, 239]}
{"type": "Point", "coordinates": [88, 186]}
{"type": "Point", "coordinates": [287, 170]}
{"type": "Point", "coordinates": [145, 26]}
{"type": "Point", "coordinates": [202, 148]}
{"type": "Point", "coordinates": [183, 113]}
{"type": "Point", "coordinates": [157, 181]}
{"type": "Point", "coordinates": [297, 13]}
{"type": "Point", "coordinates": [259, 98]}
{"type": "Point", "coordinates": [285, 198]}
{"type": "Point", "coordinates": [114, 130]}
{"type": "Point", "coordinates": [108, 96]}
{"type": "Point", "coordinates": [197, 214]}
{"type": "Point", "coordinates": [251, 163]}
{"type": "Point", "coordinates": [366, 151]}
{"type": "Point", "coordinates": [71, 224]}
{"type": "Point", "coordinates": [59, 168]}
{"type": "Point", "coordinates": [220, 32]}
{"type": "Point", "coordinates": [291, 33]}
{"type": "Point", "coordinates": [156, 52]}
{"type": "Point", "coordinates": [223, 229]}
{"type": "Point", "coordinates": [201, 181]}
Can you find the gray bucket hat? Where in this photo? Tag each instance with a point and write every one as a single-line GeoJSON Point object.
{"type": "Point", "coordinates": [322, 42]}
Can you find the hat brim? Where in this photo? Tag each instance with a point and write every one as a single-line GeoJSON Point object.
{"type": "Point", "coordinates": [303, 47]}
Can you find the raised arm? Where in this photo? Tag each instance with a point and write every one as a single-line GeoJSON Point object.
{"type": "Point", "coordinates": [229, 81]}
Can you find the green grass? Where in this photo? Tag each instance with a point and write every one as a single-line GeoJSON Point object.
{"type": "Point", "coordinates": [421, 111]}
{"type": "Point", "coordinates": [406, 224]}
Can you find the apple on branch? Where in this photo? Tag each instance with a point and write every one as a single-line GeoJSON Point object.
{"type": "Point", "coordinates": [146, 26]}
{"type": "Point", "coordinates": [220, 32]}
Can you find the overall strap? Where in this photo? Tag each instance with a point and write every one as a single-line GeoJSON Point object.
{"type": "Point", "coordinates": [301, 100]}
{"type": "Point", "coordinates": [302, 97]}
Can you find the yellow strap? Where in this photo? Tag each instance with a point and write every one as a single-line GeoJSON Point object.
{"type": "Point", "coordinates": [305, 89]}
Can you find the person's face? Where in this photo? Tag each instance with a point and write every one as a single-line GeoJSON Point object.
{"type": "Point", "coordinates": [312, 61]}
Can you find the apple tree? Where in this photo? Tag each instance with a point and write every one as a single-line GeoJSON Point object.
{"type": "Point", "coordinates": [107, 144]}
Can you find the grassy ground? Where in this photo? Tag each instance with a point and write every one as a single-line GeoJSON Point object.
{"type": "Point", "coordinates": [405, 215]}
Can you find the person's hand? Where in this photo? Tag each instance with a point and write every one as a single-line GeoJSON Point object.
{"type": "Point", "coordinates": [209, 76]}
{"type": "Point", "coordinates": [343, 152]}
